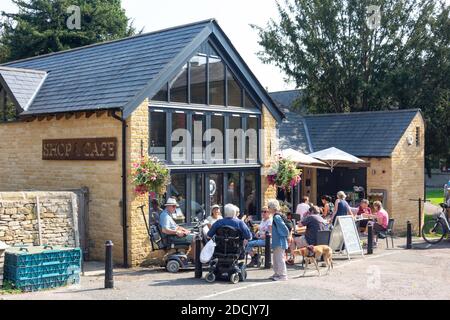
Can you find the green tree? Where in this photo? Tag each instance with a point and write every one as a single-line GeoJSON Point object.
{"type": "Point", "coordinates": [345, 62]}
{"type": "Point", "coordinates": [41, 26]}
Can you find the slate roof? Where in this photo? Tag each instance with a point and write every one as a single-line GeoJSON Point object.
{"type": "Point", "coordinates": [293, 132]}
{"type": "Point", "coordinates": [23, 84]}
{"type": "Point", "coordinates": [362, 134]}
{"type": "Point", "coordinates": [121, 74]}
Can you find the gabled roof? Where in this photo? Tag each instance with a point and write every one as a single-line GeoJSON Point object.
{"type": "Point", "coordinates": [121, 74]}
{"type": "Point", "coordinates": [22, 84]}
{"type": "Point", "coordinates": [362, 134]}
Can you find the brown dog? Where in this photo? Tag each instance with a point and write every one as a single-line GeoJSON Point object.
{"type": "Point", "coordinates": [313, 253]}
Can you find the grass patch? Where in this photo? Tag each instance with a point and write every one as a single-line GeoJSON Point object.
{"type": "Point", "coordinates": [9, 288]}
{"type": "Point", "coordinates": [436, 196]}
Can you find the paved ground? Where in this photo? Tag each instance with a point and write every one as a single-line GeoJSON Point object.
{"type": "Point", "coordinates": [421, 273]}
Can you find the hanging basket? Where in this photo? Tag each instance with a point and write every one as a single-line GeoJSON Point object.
{"type": "Point", "coordinates": [150, 175]}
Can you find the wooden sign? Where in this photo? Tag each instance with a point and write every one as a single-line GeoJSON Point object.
{"type": "Point", "coordinates": [80, 149]}
{"type": "Point", "coordinates": [345, 232]}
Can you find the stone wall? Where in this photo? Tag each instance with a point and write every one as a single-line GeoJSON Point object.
{"type": "Point", "coordinates": [138, 133]}
{"type": "Point", "coordinates": [22, 168]}
{"type": "Point", "coordinates": [58, 222]}
{"type": "Point", "coordinates": [408, 171]}
{"type": "Point", "coordinates": [269, 148]}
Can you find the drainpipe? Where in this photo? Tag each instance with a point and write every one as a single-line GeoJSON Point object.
{"type": "Point", "coordinates": [124, 188]}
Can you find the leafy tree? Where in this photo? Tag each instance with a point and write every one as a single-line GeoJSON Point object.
{"type": "Point", "coordinates": [41, 26]}
{"type": "Point", "coordinates": [344, 63]}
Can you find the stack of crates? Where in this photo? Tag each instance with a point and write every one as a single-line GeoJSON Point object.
{"type": "Point", "coordinates": [38, 268]}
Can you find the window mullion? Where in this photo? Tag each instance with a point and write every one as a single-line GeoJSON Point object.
{"type": "Point", "coordinates": [226, 119]}
{"type": "Point", "coordinates": [189, 141]}
{"type": "Point", "coordinates": [169, 137]}
{"type": "Point", "coordinates": [189, 82]}
{"type": "Point", "coordinates": [226, 84]}
{"type": "Point", "coordinates": [207, 80]}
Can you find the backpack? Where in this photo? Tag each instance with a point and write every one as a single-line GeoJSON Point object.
{"type": "Point", "coordinates": [286, 221]}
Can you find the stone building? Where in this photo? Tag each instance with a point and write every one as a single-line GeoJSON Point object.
{"type": "Point", "coordinates": [391, 142]}
{"type": "Point", "coordinates": [82, 117]}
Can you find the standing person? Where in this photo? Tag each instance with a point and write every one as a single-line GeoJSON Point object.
{"type": "Point", "coordinates": [341, 207]}
{"type": "Point", "coordinates": [280, 235]}
{"type": "Point", "coordinates": [303, 207]}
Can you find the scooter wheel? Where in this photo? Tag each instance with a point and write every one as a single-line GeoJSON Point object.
{"type": "Point", "coordinates": [211, 277]}
{"type": "Point", "coordinates": [173, 266]}
{"type": "Point", "coordinates": [234, 278]}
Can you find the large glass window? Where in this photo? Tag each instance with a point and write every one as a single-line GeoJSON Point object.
{"type": "Point", "coordinates": [179, 138]}
{"type": "Point", "coordinates": [251, 140]}
{"type": "Point", "coordinates": [217, 150]}
{"type": "Point", "coordinates": [198, 79]}
{"type": "Point", "coordinates": [178, 87]}
{"type": "Point", "coordinates": [249, 103]}
{"type": "Point", "coordinates": [250, 193]}
{"type": "Point", "coordinates": [162, 94]}
{"type": "Point", "coordinates": [216, 189]}
{"type": "Point", "coordinates": [233, 188]}
{"type": "Point", "coordinates": [178, 191]}
{"type": "Point", "coordinates": [216, 81]}
{"type": "Point", "coordinates": [158, 135]}
{"type": "Point", "coordinates": [198, 203]}
{"type": "Point", "coordinates": [234, 90]}
{"type": "Point", "coordinates": [197, 132]}
{"type": "Point", "coordinates": [235, 139]}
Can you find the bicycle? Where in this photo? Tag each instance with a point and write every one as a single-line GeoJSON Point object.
{"type": "Point", "coordinates": [435, 229]}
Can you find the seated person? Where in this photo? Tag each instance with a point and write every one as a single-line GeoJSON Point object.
{"type": "Point", "coordinates": [381, 219]}
{"type": "Point", "coordinates": [303, 207]}
{"type": "Point", "coordinates": [364, 211]}
{"type": "Point", "coordinates": [179, 235]}
{"type": "Point", "coordinates": [265, 226]}
{"type": "Point", "coordinates": [215, 215]}
{"type": "Point", "coordinates": [313, 223]}
{"type": "Point", "coordinates": [230, 219]}
{"type": "Point", "coordinates": [327, 208]}
{"type": "Point", "coordinates": [213, 218]}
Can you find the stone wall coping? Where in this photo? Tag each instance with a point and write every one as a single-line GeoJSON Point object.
{"type": "Point", "coordinates": [27, 195]}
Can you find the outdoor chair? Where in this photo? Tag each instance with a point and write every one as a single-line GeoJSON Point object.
{"type": "Point", "coordinates": [388, 233]}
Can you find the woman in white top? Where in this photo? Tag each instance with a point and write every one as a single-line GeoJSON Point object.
{"type": "Point", "coordinates": [215, 215]}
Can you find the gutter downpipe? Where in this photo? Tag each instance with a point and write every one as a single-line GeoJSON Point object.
{"type": "Point", "coordinates": [124, 187]}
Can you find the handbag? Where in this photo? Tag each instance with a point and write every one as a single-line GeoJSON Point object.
{"type": "Point", "coordinates": [207, 251]}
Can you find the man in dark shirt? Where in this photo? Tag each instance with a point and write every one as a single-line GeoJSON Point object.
{"type": "Point", "coordinates": [313, 223]}
{"type": "Point", "coordinates": [230, 220]}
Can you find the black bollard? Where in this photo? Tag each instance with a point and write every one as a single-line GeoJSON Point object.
{"type": "Point", "coordinates": [370, 239]}
{"type": "Point", "coordinates": [267, 253]}
{"type": "Point", "coordinates": [198, 264]}
{"type": "Point", "coordinates": [408, 235]}
{"type": "Point", "coordinates": [109, 280]}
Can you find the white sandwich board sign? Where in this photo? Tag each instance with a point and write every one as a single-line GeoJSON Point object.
{"type": "Point", "coordinates": [346, 233]}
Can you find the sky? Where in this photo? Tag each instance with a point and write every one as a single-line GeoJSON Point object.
{"type": "Point", "coordinates": [234, 17]}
